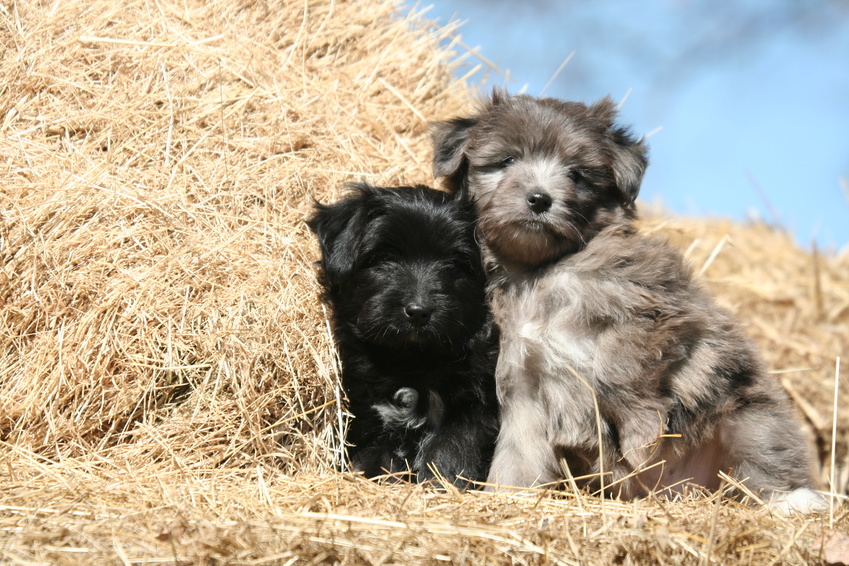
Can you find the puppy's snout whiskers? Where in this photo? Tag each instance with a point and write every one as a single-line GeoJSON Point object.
{"type": "Point", "coordinates": [578, 233]}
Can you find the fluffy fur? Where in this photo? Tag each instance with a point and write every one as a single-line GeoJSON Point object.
{"type": "Point", "coordinates": [593, 313]}
{"type": "Point", "coordinates": [403, 276]}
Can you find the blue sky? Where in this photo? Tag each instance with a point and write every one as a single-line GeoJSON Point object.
{"type": "Point", "coordinates": [752, 97]}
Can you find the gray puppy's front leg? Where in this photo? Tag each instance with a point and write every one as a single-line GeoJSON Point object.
{"type": "Point", "coordinates": [523, 456]}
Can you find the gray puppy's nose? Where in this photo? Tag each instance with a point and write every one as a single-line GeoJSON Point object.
{"type": "Point", "coordinates": [417, 314]}
{"type": "Point", "coordinates": [538, 202]}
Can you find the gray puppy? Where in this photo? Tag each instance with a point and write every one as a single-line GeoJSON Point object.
{"type": "Point", "coordinates": [616, 368]}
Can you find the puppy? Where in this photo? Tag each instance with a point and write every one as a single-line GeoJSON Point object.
{"type": "Point", "coordinates": [403, 276]}
{"type": "Point", "coordinates": [616, 368]}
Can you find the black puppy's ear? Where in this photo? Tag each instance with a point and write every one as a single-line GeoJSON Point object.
{"type": "Point", "coordinates": [340, 228]}
{"type": "Point", "coordinates": [629, 154]}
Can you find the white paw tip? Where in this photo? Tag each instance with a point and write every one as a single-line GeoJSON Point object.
{"type": "Point", "coordinates": [802, 501]}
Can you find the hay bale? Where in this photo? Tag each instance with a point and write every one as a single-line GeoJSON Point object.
{"type": "Point", "coordinates": [159, 160]}
{"type": "Point", "coordinates": [168, 388]}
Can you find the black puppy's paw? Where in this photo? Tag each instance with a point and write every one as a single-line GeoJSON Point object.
{"type": "Point", "coordinates": [447, 460]}
{"type": "Point", "coordinates": [402, 411]}
{"type": "Point", "coordinates": [406, 398]}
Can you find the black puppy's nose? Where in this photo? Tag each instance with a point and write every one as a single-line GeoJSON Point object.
{"type": "Point", "coordinates": [417, 314]}
{"type": "Point", "coordinates": [538, 202]}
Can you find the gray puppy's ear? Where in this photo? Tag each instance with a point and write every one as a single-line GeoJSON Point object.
{"type": "Point", "coordinates": [499, 96]}
{"type": "Point", "coordinates": [450, 140]}
{"type": "Point", "coordinates": [629, 154]}
{"type": "Point", "coordinates": [630, 159]}
{"type": "Point", "coordinates": [604, 111]}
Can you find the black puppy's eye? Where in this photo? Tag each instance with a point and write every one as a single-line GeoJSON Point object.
{"type": "Point", "coordinates": [378, 258]}
{"type": "Point", "coordinates": [574, 175]}
{"type": "Point", "coordinates": [461, 270]}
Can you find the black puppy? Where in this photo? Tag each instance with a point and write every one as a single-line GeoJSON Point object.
{"type": "Point", "coordinates": [404, 279]}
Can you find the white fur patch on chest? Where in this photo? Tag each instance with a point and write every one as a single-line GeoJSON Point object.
{"type": "Point", "coordinates": [543, 323]}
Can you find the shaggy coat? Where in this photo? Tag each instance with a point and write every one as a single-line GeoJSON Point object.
{"type": "Point", "coordinates": [616, 368]}
{"type": "Point", "coordinates": [403, 276]}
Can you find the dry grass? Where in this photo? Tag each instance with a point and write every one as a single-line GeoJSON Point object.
{"type": "Point", "coordinates": [167, 383]}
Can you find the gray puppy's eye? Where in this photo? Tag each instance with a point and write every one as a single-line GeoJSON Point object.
{"type": "Point", "coordinates": [507, 162]}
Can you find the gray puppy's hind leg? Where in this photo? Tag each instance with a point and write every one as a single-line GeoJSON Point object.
{"type": "Point", "coordinates": [767, 449]}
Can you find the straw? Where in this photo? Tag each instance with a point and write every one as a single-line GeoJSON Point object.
{"type": "Point", "coordinates": [169, 390]}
